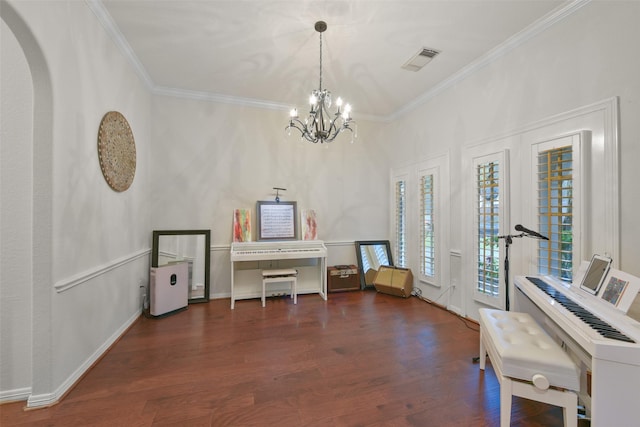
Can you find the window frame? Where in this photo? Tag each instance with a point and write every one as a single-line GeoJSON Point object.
{"type": "Point", "coordinates": [578, 142]}
{"type": "Point", "coordinates": [400, 261]}
{"type": "Point", "coordinates": [431, 287]}
{"type": "Point", "coordinates": [502, 158]}
{"type": "Point", "coordinates": [434, 172]}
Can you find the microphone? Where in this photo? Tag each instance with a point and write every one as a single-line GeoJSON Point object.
{"type": "Point", "coordinates": [519, 227]}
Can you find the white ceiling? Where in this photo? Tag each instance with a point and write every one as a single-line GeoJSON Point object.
{"type": "Point", "coordinates": [267, 52]}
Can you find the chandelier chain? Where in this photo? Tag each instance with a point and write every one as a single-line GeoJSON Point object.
{"type": "Point", "coordinates": [320, 62]}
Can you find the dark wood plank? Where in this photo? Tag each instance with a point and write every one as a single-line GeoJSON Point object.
{"type": "Point", "coordinates": [359, 359]}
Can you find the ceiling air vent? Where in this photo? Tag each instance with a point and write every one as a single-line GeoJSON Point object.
{"type": "Point", "coordinates": [420, 59]}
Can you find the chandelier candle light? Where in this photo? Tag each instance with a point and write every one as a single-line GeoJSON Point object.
{"type": "Point", "coordinates": [320, 126]}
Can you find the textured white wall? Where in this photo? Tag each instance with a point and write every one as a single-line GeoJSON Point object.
{"type": "Point", "coordinates": [208, 159]}
{"type": "Point", "coordinates": [16, 169]}
{"type": "Point", "coordinates": [95, 235]}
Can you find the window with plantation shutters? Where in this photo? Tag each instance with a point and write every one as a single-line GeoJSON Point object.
{"type": "Point", "coordinates": [400, 223]}
{"type": "Point", "coordinates": [419, 223]}
{"type": "Point", "coordinates": [555, 212]}
{"type": "Point", "coordinates": [488, 226]}
{"type": "Point", "coordinates": [490, 202]}
{"type": "Point", "coordinates": [427, 227]}
{"type": "Point", "coordinates": [566, 186]}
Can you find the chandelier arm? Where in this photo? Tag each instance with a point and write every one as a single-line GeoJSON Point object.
{"type": "Point", "coordinates": [332, 124]}
{"type": "Point", "coordinates": [303, 129]}
{"type": "Point", "coordinates": [296, 124]}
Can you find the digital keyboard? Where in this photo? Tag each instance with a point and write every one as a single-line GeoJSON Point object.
{"type": "Point", "coordinates": [256, 251]}
{"type": "Point", "coordinates": [603, 341]}
{"type": "Point", "coordinates": [306, 256]}
{"type": "Point", "coordinates": [593, 321]}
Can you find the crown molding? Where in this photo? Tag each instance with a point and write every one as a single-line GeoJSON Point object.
{"type": "Point", "coordinates": [216, 97]}
{"type": "Point", "coordinates": [518, 39]}
{"type": "Point", "coordinates": [97, 7]}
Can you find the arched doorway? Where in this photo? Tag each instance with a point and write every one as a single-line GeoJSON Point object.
{"type": "Point", "coordinates": [36, 229]}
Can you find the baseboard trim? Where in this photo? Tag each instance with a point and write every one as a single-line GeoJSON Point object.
{"type": "Point", "coordinates": [16, 395]}
{"type": "Point", "coordinates": [49, 399]}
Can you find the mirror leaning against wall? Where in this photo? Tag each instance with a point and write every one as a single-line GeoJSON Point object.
{"type": "Point", "coordinates": [190, 246]}
{"type": "Point", "coordinates": [371, 254]}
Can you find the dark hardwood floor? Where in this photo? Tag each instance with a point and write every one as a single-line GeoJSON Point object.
{"type": "Point", "coordinates": [358, 359]}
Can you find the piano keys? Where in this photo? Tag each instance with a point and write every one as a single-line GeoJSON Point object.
{"type": "Point", "coordinates": [601, 339]}
{"type": "Point", "coordinates": [248, 259]}
{"type": "Point", "coordinates": [590, 319]}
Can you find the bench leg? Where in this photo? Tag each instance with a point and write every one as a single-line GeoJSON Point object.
{"type": "Point", "coordinates": [570, 412]}
{"type": "Point", "coordinates": [263, 292]}
{"type": "Point", "coordinates": [570, 417]}
{"type": "Point", "coordinates": [483, 352]}
{"type": "Point", "coordinates": [506, 393]}
{"type": "Point", "coordinates": [294, 291]}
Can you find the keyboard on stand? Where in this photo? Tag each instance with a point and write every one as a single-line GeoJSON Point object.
{"type": "Point", "coordinates": [602, 340]}
{"type": "Point", "coordinates": [309, 257]}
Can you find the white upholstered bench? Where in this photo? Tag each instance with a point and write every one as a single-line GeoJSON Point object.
{"type": "Point", "coordinates": [279, 276]}
{"type": "Point", "coordinates": [528, 363]}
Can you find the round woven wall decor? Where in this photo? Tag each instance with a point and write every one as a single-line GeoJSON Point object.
{"type": "Point", "coordinates": [116, 151]}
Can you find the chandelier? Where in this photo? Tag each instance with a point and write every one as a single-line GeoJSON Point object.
{"type": "Point", "coordinates": [321, 125]}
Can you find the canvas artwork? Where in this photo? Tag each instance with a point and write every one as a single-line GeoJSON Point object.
{"type": "Point", "coordinates": [309, 224]}
{"type": "Point", "coordinates": [242, 225]}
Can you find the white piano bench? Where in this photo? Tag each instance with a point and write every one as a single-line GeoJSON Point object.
{"type": "Point", "coordinates": [528, 363]}
{"type": "Point", "coordinates": [280, 276]}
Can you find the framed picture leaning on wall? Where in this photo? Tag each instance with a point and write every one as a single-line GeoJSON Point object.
{"type": "Point", "coordinates": [277, 220]}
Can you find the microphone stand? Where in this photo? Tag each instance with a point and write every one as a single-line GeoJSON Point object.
{"type": "Point", "coordinates": [508, 240]}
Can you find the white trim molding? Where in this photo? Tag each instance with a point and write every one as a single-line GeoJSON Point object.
{"type": "Point", "coordinates": [16, 395]}
{"type": "Point", "coordinates": [85, 276]}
